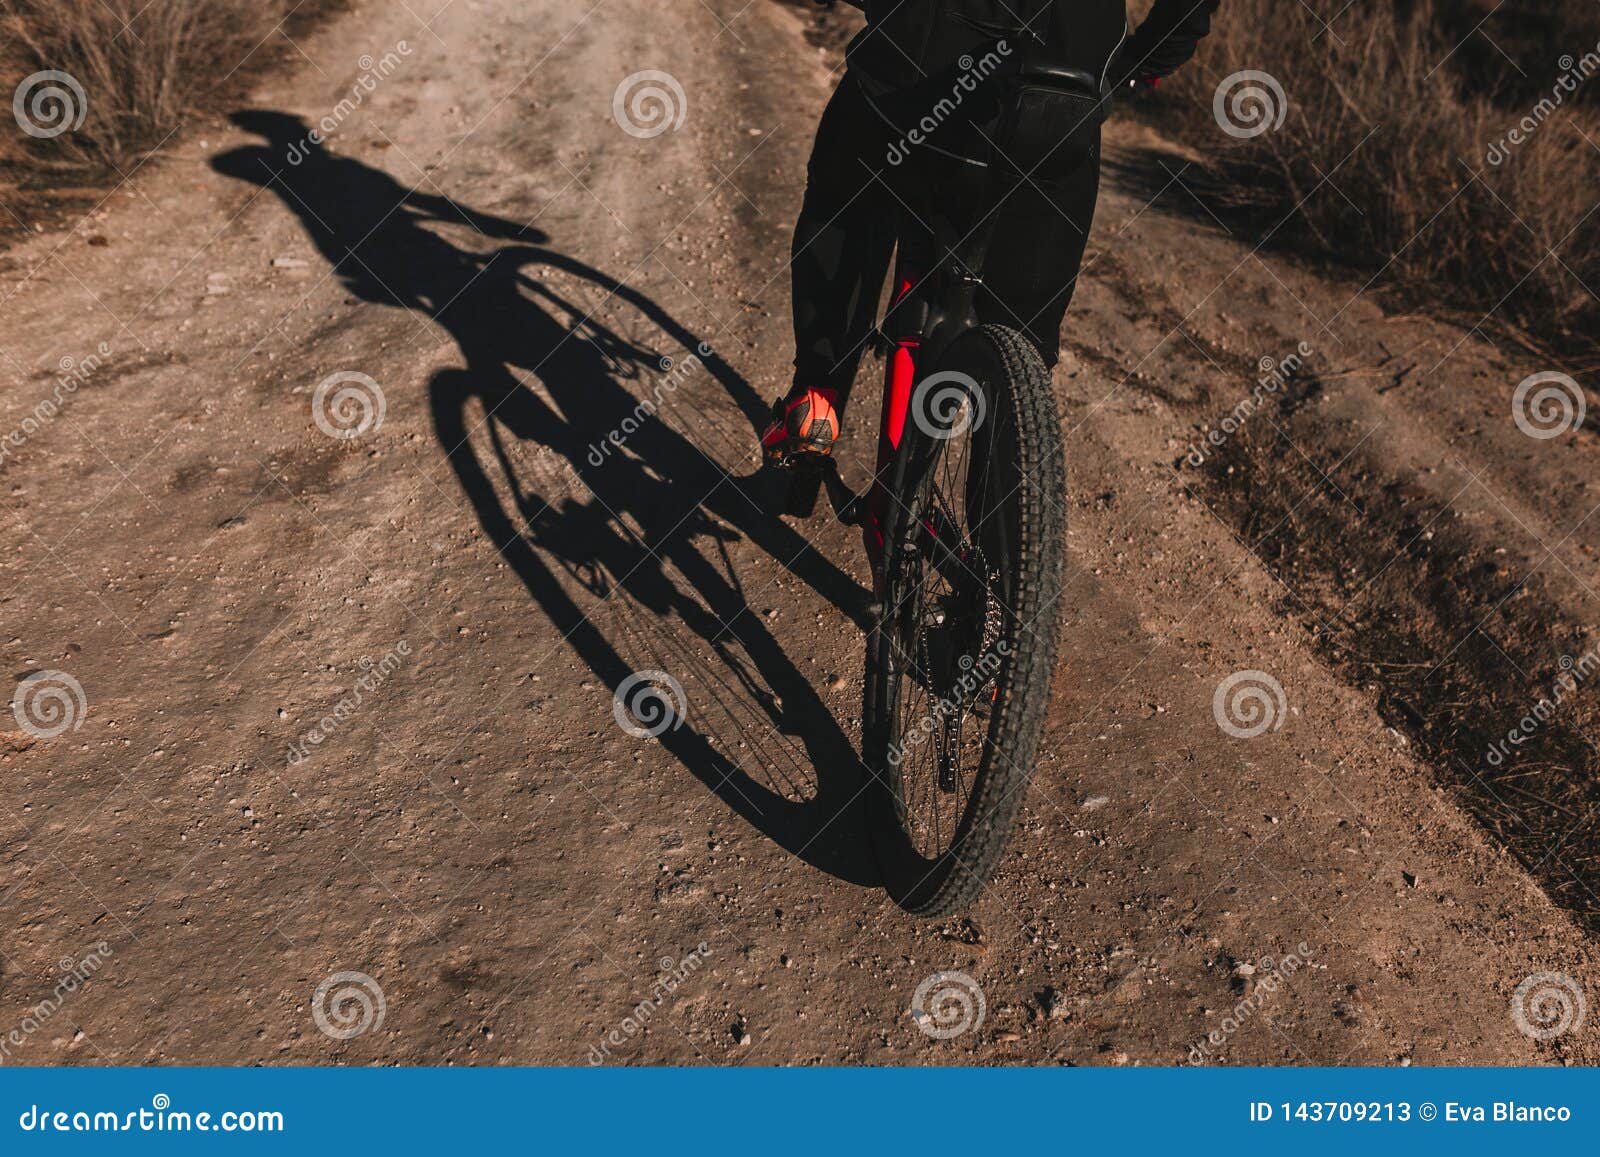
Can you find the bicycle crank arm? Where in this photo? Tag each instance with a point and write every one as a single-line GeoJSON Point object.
{"type": "Point", "coordinates": [847, 504]}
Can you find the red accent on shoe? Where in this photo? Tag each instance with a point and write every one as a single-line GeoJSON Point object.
{"type": "Point", "coordinates": [806, 422]}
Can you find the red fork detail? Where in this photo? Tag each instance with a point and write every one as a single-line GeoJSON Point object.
{"type": "Point", "coordinates": [899, 377]}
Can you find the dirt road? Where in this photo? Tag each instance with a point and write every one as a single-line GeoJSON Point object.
{"type": "Point", "coordinates": [347, 702]}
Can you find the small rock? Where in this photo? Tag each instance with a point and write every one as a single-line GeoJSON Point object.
{"type": "Point", "coordinates": [289, 263]}
{"type": "Point", "coordinates": [740, 1032]}
{"type": "Point", "coordinates": [1053, 1005]}
{"type": "Point", "coordinates": [1095, 803]}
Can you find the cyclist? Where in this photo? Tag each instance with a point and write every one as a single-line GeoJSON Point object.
{"type": "Point", "coordinates": [913, 60]}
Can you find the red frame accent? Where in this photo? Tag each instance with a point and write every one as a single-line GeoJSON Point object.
{"type": "Point", "coordinates": [900, 375]}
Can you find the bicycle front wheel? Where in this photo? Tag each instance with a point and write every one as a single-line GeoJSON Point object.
{"type": "Point", "coordinates": [959, 664]}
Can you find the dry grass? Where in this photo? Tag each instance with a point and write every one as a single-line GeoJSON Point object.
{"type": "Point", "coordinates": [1383, 155]}
{"type": "Point", "coordinates": [144, 66]}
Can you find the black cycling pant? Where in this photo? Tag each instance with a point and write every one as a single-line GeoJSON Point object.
{"type": "Point", "coordinates": [846, 234]}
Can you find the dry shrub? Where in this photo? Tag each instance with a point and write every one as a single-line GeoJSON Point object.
{"type": "Point", "coordinates": [142, 65]}
{"type": "Point", "coordinates": [1383, 156]}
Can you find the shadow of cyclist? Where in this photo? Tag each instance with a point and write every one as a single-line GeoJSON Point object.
{"type": "Point", "coordinates": [545, 369]}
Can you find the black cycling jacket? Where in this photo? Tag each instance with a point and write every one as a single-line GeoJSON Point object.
{"type": "Point", "coordinates": [908, 41]}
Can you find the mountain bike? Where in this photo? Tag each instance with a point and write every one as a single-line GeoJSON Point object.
{"type": "Point", "coordinates": [964, 523]}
